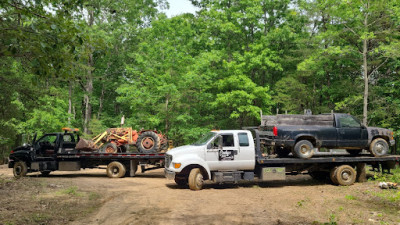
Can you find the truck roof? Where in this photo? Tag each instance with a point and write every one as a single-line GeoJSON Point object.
{"type": "Point", "coordinates": [229, 131]}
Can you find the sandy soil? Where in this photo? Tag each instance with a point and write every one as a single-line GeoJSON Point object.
{"type": "Point", "coordinates": [149, 198]}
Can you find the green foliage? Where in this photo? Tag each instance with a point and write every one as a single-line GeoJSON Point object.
{"type": "Point", "coordinates": [394, 177]}
{"type": "Point", "coordinates": [191, 73]}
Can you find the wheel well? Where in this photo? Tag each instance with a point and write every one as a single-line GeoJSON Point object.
{"type": "Point", "coordinates": [386, 138]}
{"type": "Point", "coordinates": [187, 170]}
{"type": "Point", "coordinates": [308, 138]}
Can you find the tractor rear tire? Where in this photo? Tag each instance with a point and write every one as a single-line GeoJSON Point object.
{"type": "Point", "coordinates": [148, 142]}
{"type": "Point", "coordinates": [116, 170]}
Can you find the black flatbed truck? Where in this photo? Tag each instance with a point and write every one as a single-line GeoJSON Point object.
{"type": "Point", "coordinates": [56, 152]}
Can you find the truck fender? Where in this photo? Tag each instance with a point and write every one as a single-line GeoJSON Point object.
{"type": "Point", "coordinates": [193, 161]}
{"type": "Point", "coordinates": [309, 137]}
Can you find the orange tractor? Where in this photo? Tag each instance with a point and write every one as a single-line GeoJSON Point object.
{"type": "Point", "coordinates": [115, 140]}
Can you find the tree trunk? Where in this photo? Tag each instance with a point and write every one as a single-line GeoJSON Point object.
{"type": "Point", "coordinates": [89, 83]}
{"type": "Point", "coordinates": [69, 103]}
{"type": "Point", "coordinates": [166, 114]}
{"type": "Point", "coordinates": [101, 102]}
{"type": "Point", "coordinates": [366, 77]}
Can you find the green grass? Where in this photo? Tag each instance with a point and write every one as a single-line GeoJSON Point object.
{"type": "Point", "coordinates": [73, 190]}
{"type": "Point", "coordinates": [394, 177]}
{"type": "Point", "coordinates": [350, 197]}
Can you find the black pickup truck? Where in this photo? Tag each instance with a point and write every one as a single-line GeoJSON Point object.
{"type": "Point", "coordinates": [300, 134]}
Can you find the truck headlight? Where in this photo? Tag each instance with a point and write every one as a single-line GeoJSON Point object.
{"type": "Point", "coordinates": [176, 165]}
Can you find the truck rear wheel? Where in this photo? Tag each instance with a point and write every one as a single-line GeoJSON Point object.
{"type": "Point", "coordinates": [345, 175]}
{"type": "Point", "coordinates": [379, 147]}
{"type": "Point", "coordinates": [303, 149]}
{"type": "Point", "coordinates": [45, 173]}
{"type": "Point", "coordinates": [116, 170]}
{"type": "Point", "coordinates": [332, 175]}
{"type": "Point", "coordinates": [148, 142]}
{"type": "Point", "coordinates": [195, 179]}
{"type": "Point", "coordinates": [20, 169]}
{"type": "Point", "coordinates": [282, 152]}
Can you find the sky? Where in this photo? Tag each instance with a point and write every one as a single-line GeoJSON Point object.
{"type": "Point", "coordinates": [177, 7]}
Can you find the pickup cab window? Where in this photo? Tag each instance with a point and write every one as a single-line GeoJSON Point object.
{"type": "Point", "coordinates": [243, 139]}
{"type": "Point", "coordinates": [227, 140]}
{"type": "Point", "coordinates": [349, 121]}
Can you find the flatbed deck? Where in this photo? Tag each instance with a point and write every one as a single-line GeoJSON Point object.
{"type": "Point", "coordinates": [125, 156]}
{"type": "Point", "coordinates": [328, 159]}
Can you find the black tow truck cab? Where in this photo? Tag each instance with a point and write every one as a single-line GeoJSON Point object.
{"type": "Point", "coordinates": [56, 151]}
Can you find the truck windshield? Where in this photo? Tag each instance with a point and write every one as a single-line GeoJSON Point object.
{"type": "Point", "coordinates": [204, 139]}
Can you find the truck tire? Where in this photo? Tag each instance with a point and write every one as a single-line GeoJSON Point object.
{"type": "Point", "coordinates": [332, 175]}
{"type": "Point", "coordinates": [282, 152]}
{"type": "Point", "coordinates": [354, 152]}
{"type": "Point", "coordinates": [379, 147]}
{"type": "Point", "coordinates": [148, 142]}
{"type": "Point", "coordinates": [116, 170]}
{"type": "Point", "coordinates": [20, 169]}
{"type": "Point", "coordinates": [303, 149]}
{"type": "Point", "coordinates": [110, 148]}
{"type": "Point", "coordinates": [345, 175]}
{"type": "Point", "coordinates": [181, 181]}
{"type": "Point", "coordinates": [45, 173]}
{"type": "Point", "coordinates": [195, 179]}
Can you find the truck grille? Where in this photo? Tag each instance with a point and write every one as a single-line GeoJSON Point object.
{"type": "Point", "coordinates": [168, 159]}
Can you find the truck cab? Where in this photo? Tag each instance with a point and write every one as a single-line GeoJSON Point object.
{"type": "Point", "coordinates": [301, 134]}
{"type": "Point", "coordinates": [41, 154]}
{"type": "Point", "coordinates": [216, 155]}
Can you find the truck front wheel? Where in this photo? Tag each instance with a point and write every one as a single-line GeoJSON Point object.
{"type": "Point", "coordinates": [379, 147]}
{"type": "Point", "coordinates": [116, 170]}
{"type": "Point", "coordinates": [181, 180]}
{"type": "Point", "coordinates": [195, 179]}
{"type": "Point", "coordinates": [20, 169]}
{"type": "Point", "coordinates": [304, 149]}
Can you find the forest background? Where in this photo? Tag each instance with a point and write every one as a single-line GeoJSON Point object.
{"type": "Point", "coordinates": [85, 64]}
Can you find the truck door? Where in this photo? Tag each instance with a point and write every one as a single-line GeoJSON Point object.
{"type": "Point", "coordinates": [46, 145]}
{"type": "Point", "coordinates": [351, 134]}
{"type": "Point", "coordinates": [223, 152]}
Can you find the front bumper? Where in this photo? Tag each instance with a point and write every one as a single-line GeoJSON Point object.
{"type": "Point", "coordinates": [170, 175]}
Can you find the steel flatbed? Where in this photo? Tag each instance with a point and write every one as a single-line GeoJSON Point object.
{"type": "Point", "coordinates": [328, 159]}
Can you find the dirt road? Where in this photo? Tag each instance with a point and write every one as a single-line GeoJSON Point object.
{"type": "Point", "coordinates": [151, 199]}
